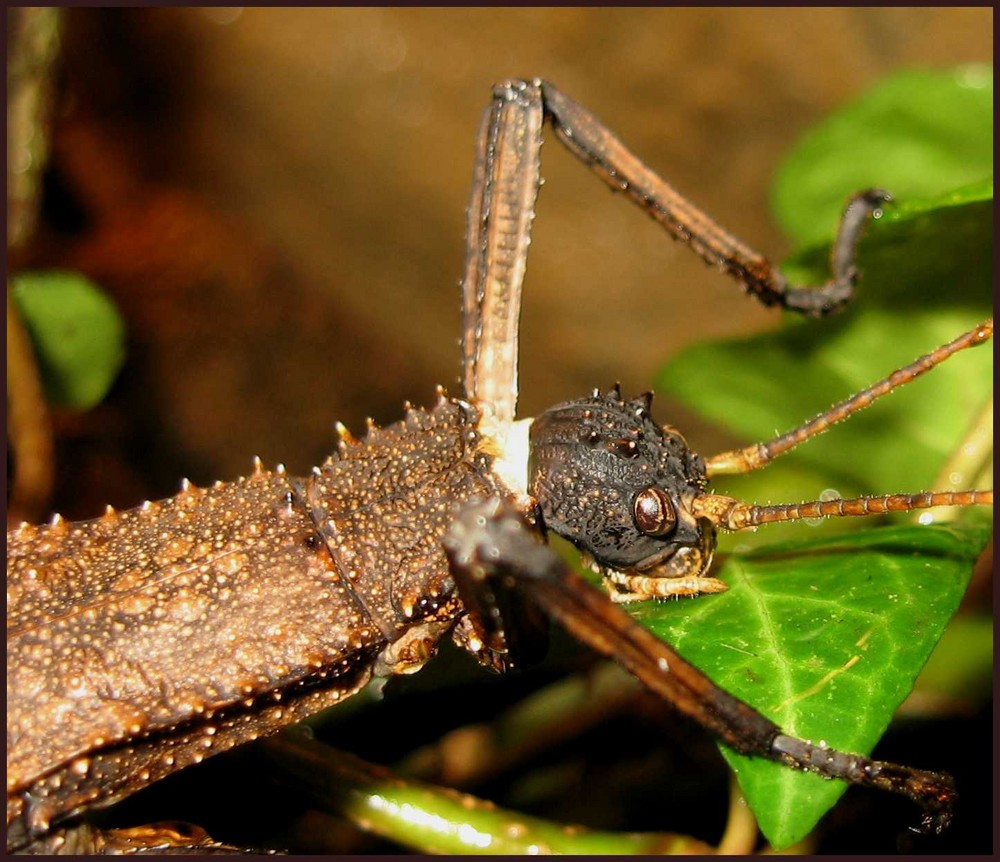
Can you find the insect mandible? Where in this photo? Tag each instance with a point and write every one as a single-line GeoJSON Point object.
{"type": "Point", "coordinates": [143, 641]}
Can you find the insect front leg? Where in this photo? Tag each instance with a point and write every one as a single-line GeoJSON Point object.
{"type": "Point", "coordinates": [492, 549]}
{"type": "Point", "coordinates": [505, 183]}
{"type": "Point", "coordinates": [594, 144]}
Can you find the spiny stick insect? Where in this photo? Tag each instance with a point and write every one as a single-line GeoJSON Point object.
{"type": "Point", "coordinates": [144, 641]}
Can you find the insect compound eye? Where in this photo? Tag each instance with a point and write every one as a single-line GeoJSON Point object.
{"type": "Point", "coordinates": [653, 512]}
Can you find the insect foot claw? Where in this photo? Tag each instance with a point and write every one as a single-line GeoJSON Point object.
{"type": "Point", "coordinates": [933, 791]}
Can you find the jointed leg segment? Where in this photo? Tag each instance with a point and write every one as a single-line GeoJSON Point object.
{"type": "Point", "coordinates": [505, 184]}
{"type": "Point", "coordinates": [491, 549]}
{"type": "Point", "coordinates": [594, 144]}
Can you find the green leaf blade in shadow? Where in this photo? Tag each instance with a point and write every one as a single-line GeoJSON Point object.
{"type": "Point", "coordinates": [916, 134]}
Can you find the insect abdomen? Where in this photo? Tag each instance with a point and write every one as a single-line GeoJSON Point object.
{"type": "Point", "coordinates": [145, 640]}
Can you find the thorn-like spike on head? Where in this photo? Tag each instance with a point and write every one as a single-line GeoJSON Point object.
{"type": "Point", "coordinates": [109, 513]}
{"type": "Point", "coordinates": [642, 403]}
{"type": "Point", "coordinates": [407, 406]}
{"type": "Point", "coordinates": [442, 394]}
{"type": "Point", "coordinates": [596, 393]}
{"type": "Point", "coordinates": [258, 465]}
{"type": "Point", "coordinates": [615, 394]}
{"type": "Point", "coordinates": [280, 470]}
{"type": "Point", "coordinates": [370, 425]}
{"type": "Point", "coordinates": [317, 472]}
{"type": "Point", "coordinates": [147, 506]}
{"type": "Point", "coordinates": [58, 522]}
{"type": "Point", "coordinates": [217, 483]}
{"type": "Point", "coordinates": [186, 485]}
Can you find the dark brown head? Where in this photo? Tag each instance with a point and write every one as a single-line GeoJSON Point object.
{"type": "Point", "coordinates": [616, 484]}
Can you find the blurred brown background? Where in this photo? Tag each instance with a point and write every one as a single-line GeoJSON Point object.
{"type": "Point", "coordinates": [275, 198]}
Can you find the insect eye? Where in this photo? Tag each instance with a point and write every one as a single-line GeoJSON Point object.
{"type": "Point", "coordinates": [653, 512]}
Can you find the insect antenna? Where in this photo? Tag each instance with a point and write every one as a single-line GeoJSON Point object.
{"type": "Point", "coordinates": [759, 454]}
{"type": "Point", "coordinates": [732, 514]}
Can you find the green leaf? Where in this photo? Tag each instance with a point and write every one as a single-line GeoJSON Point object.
{"type": "Point", "coordinates": [916, 134]}
{"type": "Point", "coordinates": [824, 637]}
{"type": "Point", "coordinates": [826, 634]}
{"type": "Point", "coordinates": [79, 338]}
{"type": "Point", "coordinates": [927, 277]}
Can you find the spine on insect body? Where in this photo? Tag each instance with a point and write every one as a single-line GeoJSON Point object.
{"type": "Point", "coordinates": [148, 639]}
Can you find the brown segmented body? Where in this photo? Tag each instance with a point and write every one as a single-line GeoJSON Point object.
{"type": "Point", "coordinates": [143, 641]}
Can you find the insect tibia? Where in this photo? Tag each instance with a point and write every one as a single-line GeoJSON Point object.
{"type": "Point", "coordinates": [933, 791]}
{"type": "Point", "coordinates": [731, 514]}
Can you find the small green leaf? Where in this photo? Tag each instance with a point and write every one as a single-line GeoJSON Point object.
{"type": "Point", "coordinates": [927, 277]}
{"type": "Point", "coordinates": [915, 134]}
{"type": "Point", "coordinates": [78, 336]}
